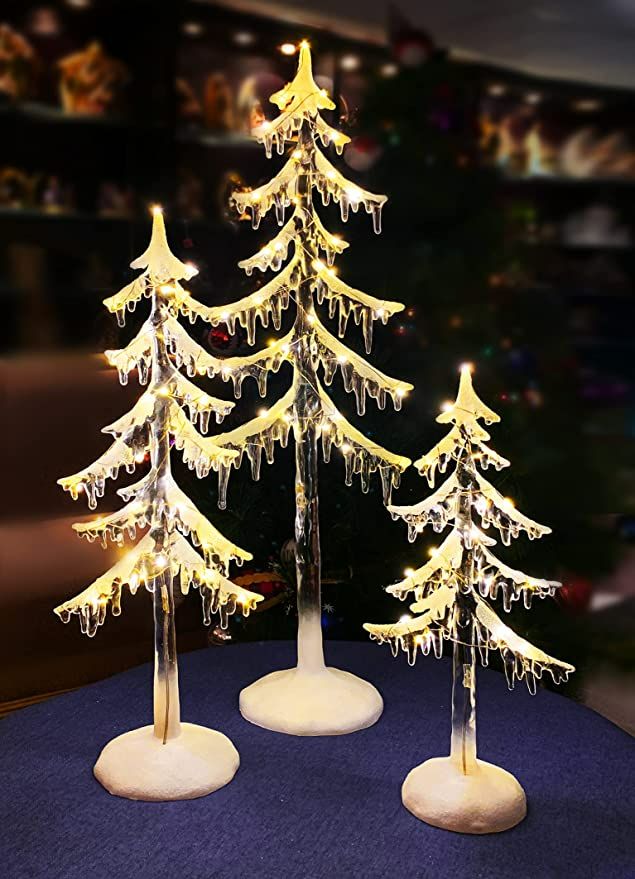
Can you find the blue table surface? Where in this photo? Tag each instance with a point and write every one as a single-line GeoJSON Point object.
{"type": "Point", "coordinates": [307, 808]}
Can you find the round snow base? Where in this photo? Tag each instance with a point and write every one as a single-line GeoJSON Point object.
{"type": "Point", "coordinates": [324, 703]}
{"type": "Point", "coordinates": [486, 801]}
{"type": "Point", "coordinates": [138, 766]}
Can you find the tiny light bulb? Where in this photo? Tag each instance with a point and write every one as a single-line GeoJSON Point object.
{"type": "Point", "coordinates": [288, 49]}
{"type": "Point", "coordinates": [156, 209]}
{"type": "Point", "coordinates": [408, 572]}
{"type": "Point", "coordinates": [401, 392]}
{"type": "Point", "coordinates": [509, 502]}
{"type": "Point", "coordinates": [224, 315]}
{"type": "Point", "coordinates": [305, 44]}
{"type": "Point", "coordinates": [445, 407]}
{"type": "Point", "coordinates": [388, 70]}
{"type": "Point", "coordinates": [262, 413]}
{"type": "Point", "coordinates": [405, 618]}
{"type": "Point", "coordinates": [349, 62]}
{"type": "Point", "coordinates": [342, 358]}
{"type": "Point", "coordinates": [467, 367]}
{"type": "Point", "coordinates": [433, 551]}
{"type": "Point", "coordinates": [297, 154]}
{"type": "Point", "coordinates": [345, 447]}
{"type": "Point", "coordinates": [161, 560]}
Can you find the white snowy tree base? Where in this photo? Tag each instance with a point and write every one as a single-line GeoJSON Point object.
{"type": "Point", "coordinates": [330, 702]}
{"type": "Point", "coordinates": [487, 800]}
{"type": "Point", "coordinates": [138, 766]}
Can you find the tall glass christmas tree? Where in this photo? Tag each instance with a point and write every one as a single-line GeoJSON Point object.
{"type": "Point", "coordinates": [169, 760]}
{"type": "Point", "coordinates": [460, 792]}
{"type": "Point", "coordinates": [310, 699]}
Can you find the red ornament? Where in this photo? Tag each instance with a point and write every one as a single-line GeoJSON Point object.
{"type": "Point", "coordinates": [362, 153]}
{"type": "Point", "coordinates": [575, 594]}
{"type": "Point", "coordinates": [219, 339]}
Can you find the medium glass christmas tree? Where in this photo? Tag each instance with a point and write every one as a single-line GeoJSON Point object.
{"type": "Point", "coordinates": [310, 699]}
{"type": "Point", "coordinates": [451, 593]}
{"type": "Point", "coordinates": [168, 760]}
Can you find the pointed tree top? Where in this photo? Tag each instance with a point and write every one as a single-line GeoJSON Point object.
{"type": "Point", "coordinates": [467, 407]}
{"type": "Point", "coordinates": [303, 94]}
{"type": "Point", "coordinates": [158, 259]}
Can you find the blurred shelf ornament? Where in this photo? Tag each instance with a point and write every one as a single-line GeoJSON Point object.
{"type": "Point", "coordinates": [18, 64]}
{"type": "Point", "coordinates": [91, 81]}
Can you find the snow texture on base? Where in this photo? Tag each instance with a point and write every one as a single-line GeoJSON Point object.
{"type": "Point", "coordinates": [329, 702]}
{"type": "Point", "coordinates": [138, 766]}
{"type": "Point", "coordinates": [487, 800]}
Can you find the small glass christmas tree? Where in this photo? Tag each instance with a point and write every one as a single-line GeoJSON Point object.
{"type": "Point", "coordinates": [451, 590]}
{"type": "Point", "coordinates": [310, 699]}
{"type": "Point", "coordinates": [168, 760]}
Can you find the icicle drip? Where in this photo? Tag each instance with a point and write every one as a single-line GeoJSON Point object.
{"type": "Point", "coordinates": [365, 309]}
{"type": "Point", "coordinates": [520, 658]}
{"type": "Point", "coordinates": [197, 455]}
{"type": "Point", "coordinates": [492, 575]}
{"type": "Point", "coordinates": [221, 596]}
{"type": "Point", "coordinates": [285, 128]}
{"type": "Point", "coordinates": [496, 510]}
{"type": "Point", "coordinates": [333, 185]}
{"type": "Point", "coordinates": [200, 406]}
{"type": "Point", "coordinates": [275, 253]}
{"type": "Point", "coordinates": [429, 640]}
{"type": "Point", "coordinates": [137, 355]}
{"type": "Point", "coordinates": [267, 302]}
{"type": "Point", "coordinates": [358, 376]}
{"type": "Point", "coordinates": [360, 459]}
{"type": "Point", "coordinates": [128, 298]}
{"type": "Point", "coordinates": [449, 449]}
{"type": "Point", "coordinates": [187, 353]}
{"type": "Point", "coordinates": [173, 510]}
{"type": "Point", "coordinates": [144, 567]}
{"type": "Point", "coordinates": [278, 193]}
{"type": "Point", "coordinates": [258, 366]}
{"type": "Point", "coordinates": [361, 456]}
{"type": "Point", "coordinates": [126, 452]}
{"type": "Point", "coordinates": [263, 432]}
{"type": "Point", "coordinates": [117, 526]}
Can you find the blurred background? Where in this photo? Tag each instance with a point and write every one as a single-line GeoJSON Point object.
{"type": "Point", "coordinates": [505, 139]}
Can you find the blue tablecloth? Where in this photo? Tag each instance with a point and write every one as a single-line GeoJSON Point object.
{"type": "Point", "coordinates": [308, 808]}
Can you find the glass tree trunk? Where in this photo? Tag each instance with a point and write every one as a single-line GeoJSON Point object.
{"type": "Point", "coordinates": [166, 680]}
{"type": "Point", "coordinates": [306, 409]}
{"type": "Point", "coordinates": [463, 745]}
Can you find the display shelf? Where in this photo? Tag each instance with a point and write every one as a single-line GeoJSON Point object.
{"type": "Point", "coordinates": [224, 139]}
{"type": "Point", "coordinates": [32, 111]}
{"type": "Point", "coordinates": [556, 180]}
